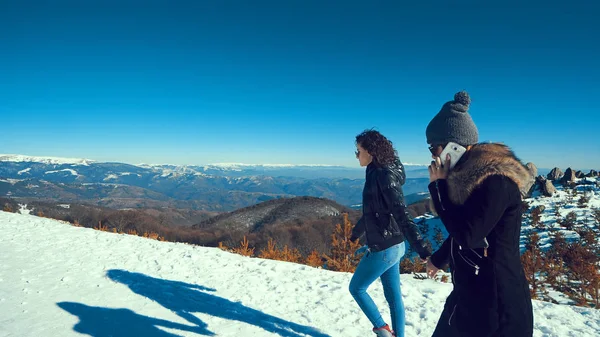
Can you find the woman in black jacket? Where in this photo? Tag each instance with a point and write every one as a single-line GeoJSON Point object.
{"type": "Point", "coordinates": [387, 224]}
{"type": "Point", "coordinates": [479, 202]}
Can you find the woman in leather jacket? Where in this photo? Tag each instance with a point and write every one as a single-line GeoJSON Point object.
{"type": "Point", "coordinates": [387, 224]}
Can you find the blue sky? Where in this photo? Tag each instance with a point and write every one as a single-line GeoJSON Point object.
{"type": "Point", "coordinates": [293, 81]}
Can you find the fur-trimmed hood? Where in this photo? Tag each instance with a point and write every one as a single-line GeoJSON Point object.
{"type": "Point", "coordinates": [482, 161]}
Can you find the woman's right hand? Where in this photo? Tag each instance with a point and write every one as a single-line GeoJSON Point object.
{"type": "Point", "coordinates": [431, 269]}
{"type": "Point", "coordinates": [437, 170]}
{"type": "Point", "coordinates": [361, 250]}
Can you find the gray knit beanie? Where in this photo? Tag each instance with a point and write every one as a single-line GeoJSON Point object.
{"type": "Point", "coordinates": [453, 123]}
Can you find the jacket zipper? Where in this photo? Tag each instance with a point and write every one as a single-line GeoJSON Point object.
{"type": "Point", "coordinates": [479, 256]}
{"type": "Point", "coordinates": [452, 254]}
{"type": "Point", "coordinates": [469, 261]}
{"type": "Point", "coordinates": [450, 319]}
{"type": "Point", "coordinates": [453, 279]}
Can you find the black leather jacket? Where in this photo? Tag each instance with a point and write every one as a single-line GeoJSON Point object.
{"type": "Point", "coordinates": [385, 219]}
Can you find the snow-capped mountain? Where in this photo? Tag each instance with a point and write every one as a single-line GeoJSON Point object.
{"type": "Point", "coordinates": [44, 160]}
{"type": "Point", "coordinates": [224, 169]}
{"type": "Point", "coordinates": [209, 187]}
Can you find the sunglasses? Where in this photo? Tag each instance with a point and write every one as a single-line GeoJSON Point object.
{"type": "Point", "coordinates": [433, 148]}
{"type": "Point", "coordinates": [357, 153]}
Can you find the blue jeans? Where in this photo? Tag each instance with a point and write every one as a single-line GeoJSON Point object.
{"type": "Point", "coordinates": [386, 265]}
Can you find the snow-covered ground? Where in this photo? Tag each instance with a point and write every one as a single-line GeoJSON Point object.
{"type": "Point", "coordinates": [566, 205]}
{"type": "Point", "coordinates": [60, 280]}
{"type": "Point", "coordinates": [73, 172]}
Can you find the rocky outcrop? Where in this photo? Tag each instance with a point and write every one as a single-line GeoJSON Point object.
{"type": "Point", "coordinates": [533, 173]}
{"type": "Point", "coordinates": [569, 176]}
{"type": "Point", "coordinates": [546, 186]}
{"type": "Point", "coordinates": [555, 174]}
{"type": "Point", "coordinates": [532, 168]}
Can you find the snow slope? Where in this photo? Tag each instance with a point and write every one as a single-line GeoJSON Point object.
{"type": "Point", "coordinates": [60, 280]}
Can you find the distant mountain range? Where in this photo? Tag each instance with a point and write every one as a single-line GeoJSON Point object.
{"type": "Point", "coordinates": [215, 187]}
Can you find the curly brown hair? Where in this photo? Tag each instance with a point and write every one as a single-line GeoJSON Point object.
{"type": "Point", "coordinates": [378, 146]}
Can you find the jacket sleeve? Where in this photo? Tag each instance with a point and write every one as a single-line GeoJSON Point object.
{"type": "Point", "coordinates": [393, 197]}
{"type": "Point", "coordinates": [359, 229]}
{"type": "Point", "coordinates": [441, 257]}
{"type": "Point", "coordinates": [471, 222]}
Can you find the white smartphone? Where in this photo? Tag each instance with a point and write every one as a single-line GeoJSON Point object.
{"type": "Point", "coordinates": [456, 151]}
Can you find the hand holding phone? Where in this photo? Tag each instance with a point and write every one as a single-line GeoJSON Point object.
{"type": "Point", "coordinates": [455, 151]}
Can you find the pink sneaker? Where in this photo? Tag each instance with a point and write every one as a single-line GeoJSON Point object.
{"type": "Point", "coordinates": [384, 331]}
